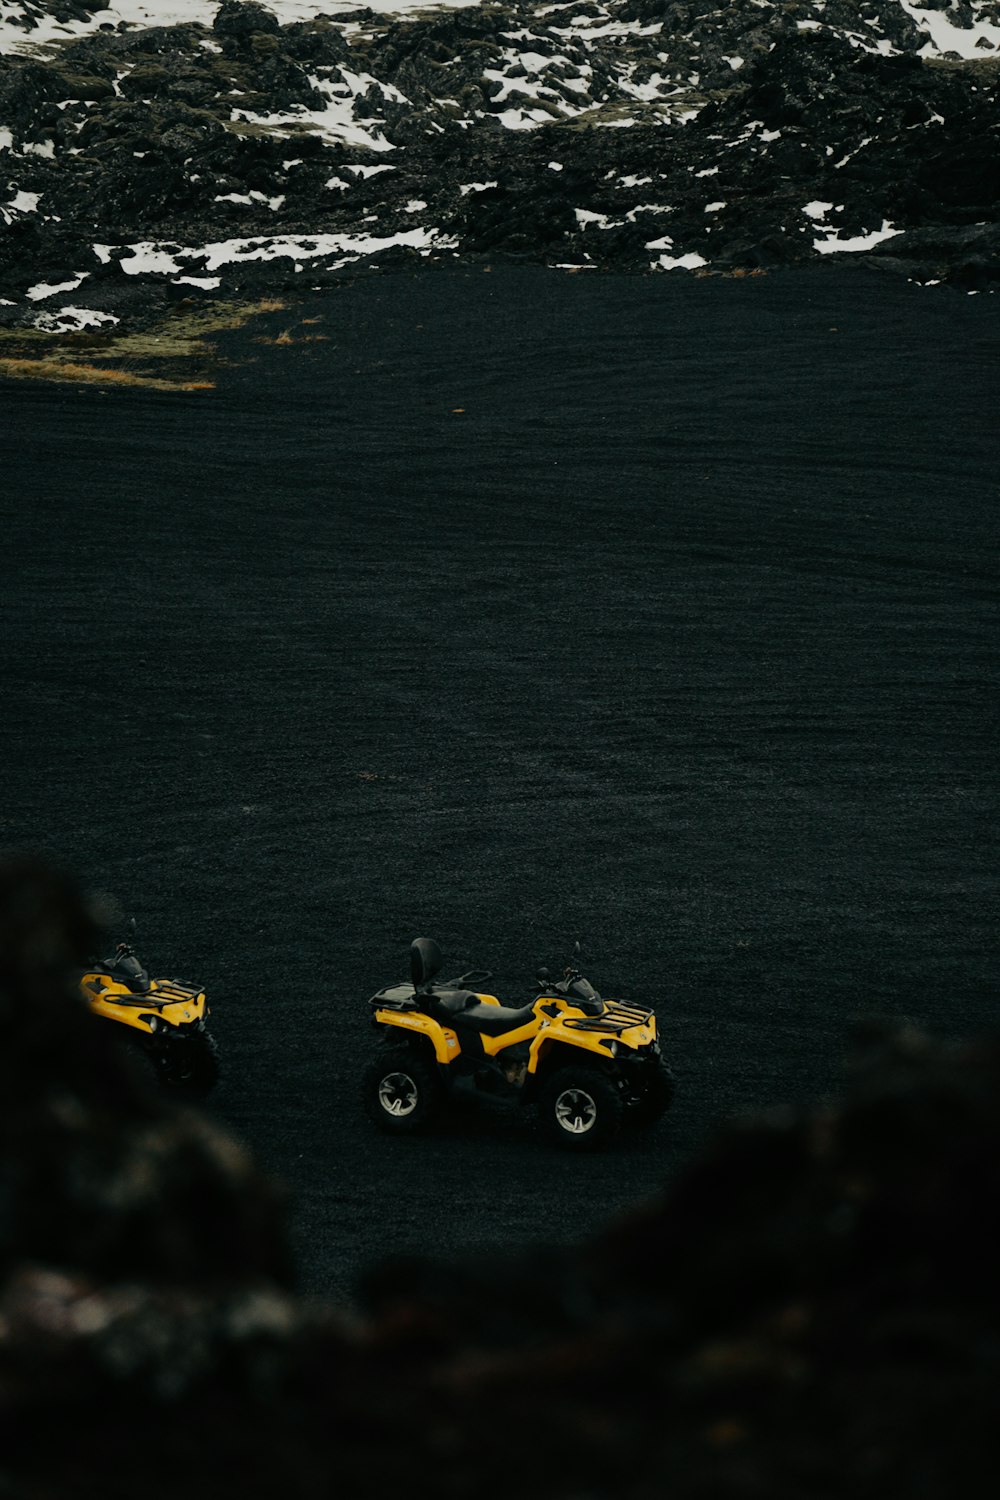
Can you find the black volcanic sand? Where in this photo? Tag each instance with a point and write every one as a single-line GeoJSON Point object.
{"type": "Point", "coordinates": [660, 613]}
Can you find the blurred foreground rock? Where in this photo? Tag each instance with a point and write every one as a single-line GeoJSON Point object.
{"type": "Point", "coordinates": [810, 1311]}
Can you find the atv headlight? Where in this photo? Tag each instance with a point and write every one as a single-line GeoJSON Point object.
{"type": "Point", "coordinates": [612, 1048]}
{"type": "Point", "coordinates": [153, 1022]}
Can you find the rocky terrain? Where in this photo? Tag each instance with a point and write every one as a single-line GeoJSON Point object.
{"type": "Point", "coordinates": [810, 1310]}
{"type": "Point", "coordinates": [242, 149]}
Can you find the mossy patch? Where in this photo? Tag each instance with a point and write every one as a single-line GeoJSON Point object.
{"type": "Point", "coordinates": [86, 86]}
{"type": "Point", "coordinates": [652, 112]}
{"type": "Point", "coordinates": [253, 128]}
{"type": "Point", "coordinates": [176, 353]}
{"type": "Point", "coordinates": [68, 370]}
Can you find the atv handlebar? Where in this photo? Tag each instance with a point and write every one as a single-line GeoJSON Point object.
{"type": "Point", "coordinates": [473, 974]}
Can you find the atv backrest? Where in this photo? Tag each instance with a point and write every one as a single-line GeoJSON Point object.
{"type": "Point", "coordinates": [425, 961]}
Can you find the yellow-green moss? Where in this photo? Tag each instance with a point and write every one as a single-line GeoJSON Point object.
{"type": "Point", "coordinates": [175, 353]}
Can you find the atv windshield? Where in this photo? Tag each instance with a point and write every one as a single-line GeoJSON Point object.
{"type": "Point", "coordinates": [583, 994]}
{"type": "Point", "coordinates": [582, 989]}
{"type": "Point", "coordinates": [128, 968]}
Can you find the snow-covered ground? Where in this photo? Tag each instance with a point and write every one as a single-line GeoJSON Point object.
{"type": "Point", "coordinates": [198, 262]}
{"type": "Point", "coordinates": [175, 12]}
{"type": "Point", "coordinates": [944, 34]}
{"type": "Point", "coordinates": [560, 62]}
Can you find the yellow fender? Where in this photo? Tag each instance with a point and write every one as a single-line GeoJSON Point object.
{"type": "Point", "coordinates": [442, 1038]}
{"type": "Point", "coordinates": [580, 1041]}
{"type": "Point", "coordinates": [596, 1042]}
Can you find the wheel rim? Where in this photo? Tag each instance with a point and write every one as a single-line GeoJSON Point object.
{"type": "Point", "coordinates": [397, 1094]}
{"type": "Point", "coordinates": [576, 1111]}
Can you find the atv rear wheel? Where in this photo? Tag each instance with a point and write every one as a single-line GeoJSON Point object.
{"type": "Point", "coordinates": [581, 1108]}
{"type": "Point", "coordinates": [654, 1099]}
{"type": "Point", "coordinates": [401, 1091]}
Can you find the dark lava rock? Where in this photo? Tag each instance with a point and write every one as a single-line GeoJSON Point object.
{"type": "Point", "coordinates": [243, 19]}
{"type": "Point", "coordinates": [705, 134]}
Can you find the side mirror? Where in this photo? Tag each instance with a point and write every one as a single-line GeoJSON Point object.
{"type": "Point", "coordinates": [542, 975]}
{"type": "Point", "coordinates": [425, 961]}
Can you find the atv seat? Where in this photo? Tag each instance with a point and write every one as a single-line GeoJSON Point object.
{"type": "Point", "coordinates": [494, 1020]}
{"type": "Point", "coordinates": [451, 1001]}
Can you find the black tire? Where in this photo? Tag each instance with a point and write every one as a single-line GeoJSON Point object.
{"type": "Point", "coordinates": [189, 1069]}
{"type": "Point", "coordinates": [581, 1108]}
{"type": "Point", "coordinates": [401, 1091]}
{"type": "Point", "coordinates": [654, 1099]}
{"type": "Point", "coordinates": [138, 1058]}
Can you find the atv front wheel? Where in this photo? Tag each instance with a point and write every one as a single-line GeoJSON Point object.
{"type": "Point", "coordinates": [401, 1091]}
{"type": "Point", "coordinates": [581, 1108]}
{"type": "Point", "coordinates": [655, 1097]}
{"type": "Point", "coordinates": [189, 1068]}
{"type": "Point", "coordinates": [139, 1060]}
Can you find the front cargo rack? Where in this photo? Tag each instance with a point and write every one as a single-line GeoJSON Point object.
{"type": "Point", "coordinates": [616, 1017]}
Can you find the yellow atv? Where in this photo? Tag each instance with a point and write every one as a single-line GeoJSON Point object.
{"type": "Point", "coordinates": [163, 1021]}
{"type": "Point", "coordinates": [587, 1064]}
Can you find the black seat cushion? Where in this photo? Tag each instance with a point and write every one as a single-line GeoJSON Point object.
{"type": "Point", "coordinates": [452, 1001]}
{"type": "Point", "coordinates": [493, 1019]}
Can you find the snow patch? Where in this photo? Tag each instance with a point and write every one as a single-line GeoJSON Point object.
{"type": "Point", "coordinates": [251, 198]}
{"type": "Point", "coordinates": [335, 122]}
{"type": "Point", "coordinates": [945, 36]}
{"type": "Point", "coordinates": [73, 320]}
{"type": "Point", "coordinates": [24, 203]}
{"type": "Point", "coordinates": [45, 289]}
{"type": "Point", "coordinates": [585, 216]}
{"type": "Point", "coordinates": [834, 245]}
{"type": "Point", "coordinates": [648, 208]}
{"type": "Point", "coordinates": [146, 257]}
{"type": "Point", "coordinates": [147, 260]}
{"type": "Point", "coordinates": [524, 119]}
{"type": "Point", "coordinates": [689, 262]}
